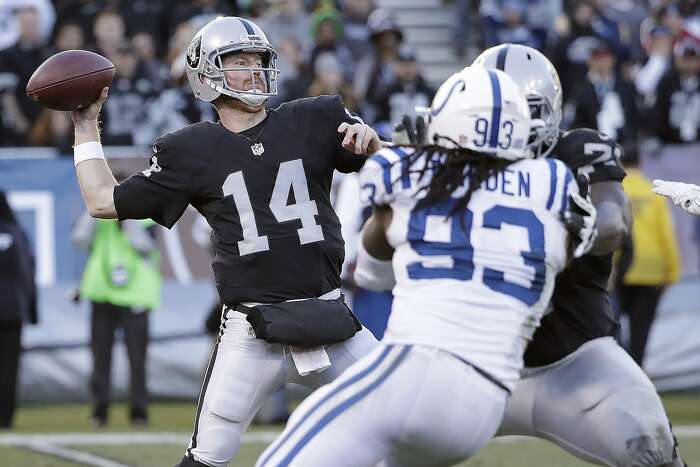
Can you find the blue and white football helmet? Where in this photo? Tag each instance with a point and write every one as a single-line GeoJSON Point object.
{"type": "Point", "coordinates": [225, 35]}
{"type": "Point", "coordinates": [482, 110]}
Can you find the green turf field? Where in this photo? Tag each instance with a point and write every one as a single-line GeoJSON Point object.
{"type": "Point", "coordinates": [176, 419]}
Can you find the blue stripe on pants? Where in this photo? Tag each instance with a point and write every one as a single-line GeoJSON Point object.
{"type": "Point", "coordinates": [342, 407]}
{"type": "Point", "coordinates": [340, 387]}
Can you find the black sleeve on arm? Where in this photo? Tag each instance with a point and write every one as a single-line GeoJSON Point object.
{"type": "Point", "coordinates": [162, 192]}
{"type": "Point", "coordinates": [345, 161]}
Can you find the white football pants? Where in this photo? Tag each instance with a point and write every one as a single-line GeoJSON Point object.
{"type": "Point", "coordinates": [403, 405]}
{"type": "Point", "coordinates": [243, 371]}
{"type": "Point", "coordinates": [596, 403]}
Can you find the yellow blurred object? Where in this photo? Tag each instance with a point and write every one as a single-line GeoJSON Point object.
{"type": "Point", "coordinates": [656, 258]}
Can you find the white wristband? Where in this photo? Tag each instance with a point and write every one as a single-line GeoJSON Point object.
{"type": "Point", "coordinates": [86, 151]}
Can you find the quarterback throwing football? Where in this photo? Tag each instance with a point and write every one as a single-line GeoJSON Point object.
{"type": "Point", "coordinates": [277, 262]}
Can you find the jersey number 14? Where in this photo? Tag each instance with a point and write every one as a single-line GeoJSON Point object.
{"type": "Point", "coordinates": [290, 176]}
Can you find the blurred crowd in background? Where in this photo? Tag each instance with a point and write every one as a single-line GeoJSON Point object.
{"type": "Point", "coordinates": [628, 68]}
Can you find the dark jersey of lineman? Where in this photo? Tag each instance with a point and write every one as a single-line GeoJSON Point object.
{"type": "Point", "coordinates": [264, 192]}
{"type": "Point", "coordinates": [581, 306]}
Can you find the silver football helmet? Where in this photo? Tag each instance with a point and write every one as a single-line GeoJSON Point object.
{"type": "Point", "coordinates": [538, 80]}
{"type": "Point", "coordinates": [204, 66]}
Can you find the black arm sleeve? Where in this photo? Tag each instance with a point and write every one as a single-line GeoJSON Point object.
{"type": "Point", "coordinates": [162, 192]}
{"type": "Point", "coordinates": [345, 161]}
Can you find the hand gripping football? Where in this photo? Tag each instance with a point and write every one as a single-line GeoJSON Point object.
{"type": "Point", "coordinates": [70, 80]}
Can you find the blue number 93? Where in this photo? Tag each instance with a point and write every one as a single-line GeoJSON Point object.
{"type": "Point", "coordinates": [481, 128]}
{"type": "Point", "coordinates": [461, 251]}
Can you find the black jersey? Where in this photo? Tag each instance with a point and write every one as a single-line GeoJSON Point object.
{"type": "Point", "coordinates": [581, 306]}
{"type": "Point", "coordinates": [264, 192]}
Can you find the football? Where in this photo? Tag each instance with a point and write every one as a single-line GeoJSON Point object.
{"type": "Point", "coordinates": [70, 80]}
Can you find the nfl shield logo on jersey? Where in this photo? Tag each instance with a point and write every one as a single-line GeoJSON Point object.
{"type": "Point", "coordinates": [257, 149]}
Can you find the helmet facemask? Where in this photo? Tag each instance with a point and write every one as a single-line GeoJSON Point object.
{"type": "Point", "coordinates": [545, 125]}
{"type": "Point", "coordinates": [213, 74]}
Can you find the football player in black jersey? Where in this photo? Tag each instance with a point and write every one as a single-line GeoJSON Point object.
{"type": "Point", "coordinates": [262, 179]}
{"type": "Point", "coordinates": [580, 389]}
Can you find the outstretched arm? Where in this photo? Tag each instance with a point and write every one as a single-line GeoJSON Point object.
{"type": "Point", "coordinates": [684, 195]}
{"type": "Point", "coordinates": [94, 176]}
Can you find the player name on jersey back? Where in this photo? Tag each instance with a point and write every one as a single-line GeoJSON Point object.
{"type": "Point", "coordinates": [474, 284]}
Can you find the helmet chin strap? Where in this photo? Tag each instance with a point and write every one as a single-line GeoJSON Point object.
{"type": "Point", "coordinates": [249, 98]}
{"type": "Point", "coordinates": [253, 100]}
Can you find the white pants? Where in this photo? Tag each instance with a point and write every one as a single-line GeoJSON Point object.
{"type": "Point", "coordinates": [403, 405]}
{"type": "Point", "coordinates": [242, 373]}
{"type": "Point", "coordinates": [596, 403]}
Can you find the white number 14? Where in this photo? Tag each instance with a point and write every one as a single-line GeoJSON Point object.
{"type": "Point", "coordinates": [289, 176]}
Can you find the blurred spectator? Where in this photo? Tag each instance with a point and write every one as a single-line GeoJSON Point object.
{"type": "Point", "coordinates": [256, 9]}
{"type": "Point", "coordinates": [287, 19]}
{"type": "Point", "coordinates": [201, 11]}
{"type": "Point", "coordinates": [122, 282]}
{"type": "Point", "coordinates": [144, 46]}
{"type": "Point", "coordinates": [657, 64]}
{"type": "Point", "coordinates": [82, 12]}
{"type": "Point", "coordinates": [460, 27]}
{"type": "Point", "coordinates": [294, 78]}
{"type": "Point", "coordinates": [676, 115]}
{"type": "Point", "coordinates": [54, 129]}
{"type": "Point", "coordinates": [354, 15]}
{"type": "Point", "coordinates": [18, 292]}
{"type": "Point", "coordinates": [147, 16]}
{"type": "Point", "coordinates": [655, 258]}
{"type": "Point", "coordinates": [605, 101]}
{"type": "Point", "coordinates": [11, 24]}
{"type": "Point", "coordinates": [69, 36]}
{"type": "Point", "coordinates": [541, 17]}
{"type": "Point", "coordinates": [180, 39]}
{"type": "Point", "coordinates": [408, 91]}
{"type": "Point", "coordinates": [17, 63]}
{"type": "Point", "coordinates": [109, 31]}
{"type": "Point", "coordinates": [504, 21]}
{"type": "Point", "coordinates": [579, 32]}
{"type": "Point", "coordinates": [327, 32]}
{"type": "Point", "coordinates": [629, 16]}
{"type": "Point", "coordinates": [376, 72]}
{"type": "Point", "coordinates": [667, 16]}
{"type": "Point", "coordinates": [329, 80]}
{"type": "Point", "coordinates": [172, 109]}
{"type": "Point", "coordinates": [129, 95]}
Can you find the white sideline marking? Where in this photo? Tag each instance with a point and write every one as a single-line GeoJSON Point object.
{"type": "Point", "coordinates": [54, 443]}
{"type": "Point", "coordinates": [67, 439]}
{"type": "Point", "coordinates": [74, 455]}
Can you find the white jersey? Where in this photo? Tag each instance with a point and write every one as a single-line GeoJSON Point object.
{"type": "Point", "coordinates": [475, 287]}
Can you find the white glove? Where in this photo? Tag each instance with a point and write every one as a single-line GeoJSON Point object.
{"type": "Point", "coordinates": [580, 221]}
{"type": "Point", "coordinates": [684, 195]}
